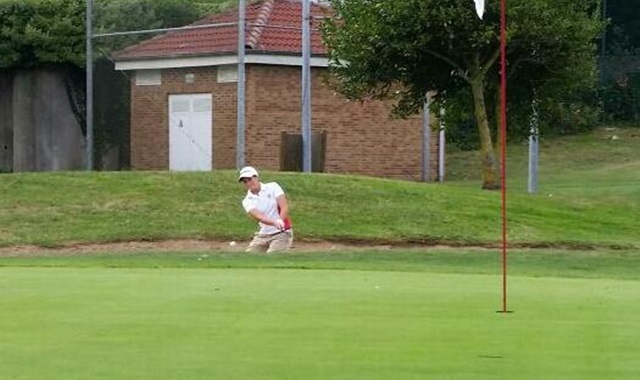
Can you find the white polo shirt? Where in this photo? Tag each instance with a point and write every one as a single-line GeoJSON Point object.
{"type": "Point", "coordinates": [266, 203]}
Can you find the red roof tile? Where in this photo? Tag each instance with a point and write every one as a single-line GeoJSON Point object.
{"type": "Point", "coordinates": [273, 26]}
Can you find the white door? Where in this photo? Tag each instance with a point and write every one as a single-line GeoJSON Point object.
{"type": "Point", "coordinates": [190, 132]}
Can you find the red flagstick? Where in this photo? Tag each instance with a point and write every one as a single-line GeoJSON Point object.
{"type": "Point", "coordinates": [503, 129]}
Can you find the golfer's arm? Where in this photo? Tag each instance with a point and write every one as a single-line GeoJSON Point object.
{"type": "Point", "coordinates": [283, 206]}
{"type": "Point", "coordinates": [260, 217]}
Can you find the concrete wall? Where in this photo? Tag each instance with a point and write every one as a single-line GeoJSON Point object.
{"type": "Point", "coordinates": [46, 135]}
{"type": "Point", "coordinates": [24, 115]}
{"type": "Point", "coordinates": [6, 122]}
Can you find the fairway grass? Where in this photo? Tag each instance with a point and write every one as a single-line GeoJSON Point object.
{"type": "Point", "coordinates": [613, 264]}
{"type": "Point", "coordinates": [170, 323]}
{"type": "Point", "coordinates": [411, 292]}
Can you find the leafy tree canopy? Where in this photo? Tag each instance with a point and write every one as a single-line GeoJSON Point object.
{"type": "Point", "coordinates": [42, 32]}
{"type": "Point", "coordinates": [406, 49]}
{"type": "Point", "coordinates": [34, 32]}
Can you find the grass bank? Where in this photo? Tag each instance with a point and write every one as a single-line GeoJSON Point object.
{"type": "Point", "coordinates": [581, 203]}
{"type": "Point", "coordinates": [406, 313]}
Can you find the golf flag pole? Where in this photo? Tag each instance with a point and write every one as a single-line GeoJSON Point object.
{"type": "Point", "coordinates": [503, 136]}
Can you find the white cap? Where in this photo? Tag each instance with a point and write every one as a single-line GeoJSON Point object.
{"type": "Point", "coordinates": [247, 172]}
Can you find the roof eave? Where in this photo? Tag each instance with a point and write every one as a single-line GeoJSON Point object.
{"type": "Point", "coordinates": [219, 59]}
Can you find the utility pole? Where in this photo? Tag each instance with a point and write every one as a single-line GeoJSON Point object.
{"type": "Point", "coordinates": [603, 43]}
{"type": "Point", "coordinates": [240, 129]}
{"type": "Point", "coordinates": [306, 86]}
{"type": "Point", "coordinates": [89, 84]}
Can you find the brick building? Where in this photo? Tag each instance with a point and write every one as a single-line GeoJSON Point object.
{"type": "Point", "coordinates": [184, 92]}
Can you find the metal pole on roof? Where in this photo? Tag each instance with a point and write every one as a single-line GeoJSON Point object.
{"type": "Point", "coordinates": [306, 86]}
{"type": "Point", "coordinates": [89, 84]}
{"type": "Point", "coordinates": [240, 130]}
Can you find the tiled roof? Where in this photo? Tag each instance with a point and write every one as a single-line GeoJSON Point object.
{"type": "Point", "coordinates": [273, 26]}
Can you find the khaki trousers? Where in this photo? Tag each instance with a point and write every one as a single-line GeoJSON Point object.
{"type": "Point", "coordinates": [280, 241]}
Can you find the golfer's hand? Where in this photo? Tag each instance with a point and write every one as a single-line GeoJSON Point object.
{"type": "Point", "coordinates": [279, 224]}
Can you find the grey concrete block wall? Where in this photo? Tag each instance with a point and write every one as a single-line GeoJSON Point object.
{"type": "Point", "coordinates": [24, 93]}
{"type": "Point", "coordinates": [60, 144]}
{"type": "Point", "coordinates": [6, 122]}
{"type": "Point", "coordinates": [46, 135]}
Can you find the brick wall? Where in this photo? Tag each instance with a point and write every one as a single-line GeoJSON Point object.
{"type": "Point", "coordinates": [150, 117]}
{"type": "Point", "coordinates": [361, 138]}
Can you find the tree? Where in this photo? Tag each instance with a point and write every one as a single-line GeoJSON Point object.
{"type": "Point", "coordinates": [624, 28]}
{"type": "Point", "coordinates": [41, 33]}
{"type": "Point", "coordinates": [128, 15]}
{"type": "Point", "coordinates": [405, 49]}
{"type": "Point", "coordinates": [36, 33]}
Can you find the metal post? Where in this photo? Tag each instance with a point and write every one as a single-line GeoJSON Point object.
{"type": "Point", "coordinates": [426, 141]}
{"type": "Point", "coordinates": [532, 185]}
{"type": "Point", "coordinates": [89, 84]}
{"type": "Point", "coordinates": [306, 87]}
{"type": "Point", "coordinates": [603, 44]}
{"type": "Point", "coordinates": [240, 129]}
{"type": "Point", "coordinates": [441, 146]}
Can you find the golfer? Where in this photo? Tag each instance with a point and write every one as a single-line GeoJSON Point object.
{"type": "Point", "coordinates": [266, 203]}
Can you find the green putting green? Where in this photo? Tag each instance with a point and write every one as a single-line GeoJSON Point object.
{"type": "Point", "coordinates": [169, 323]}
